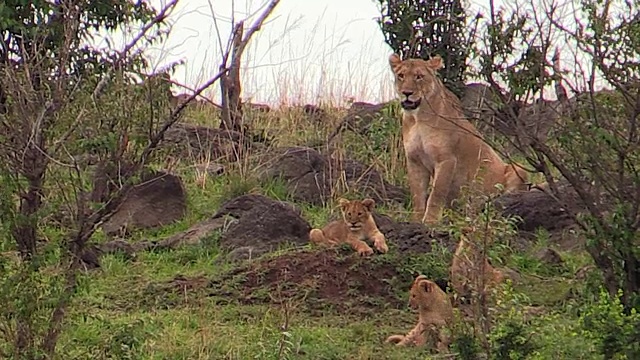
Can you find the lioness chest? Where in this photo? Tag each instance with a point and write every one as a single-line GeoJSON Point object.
{"type": "Point", "coordinates": [425, 145]}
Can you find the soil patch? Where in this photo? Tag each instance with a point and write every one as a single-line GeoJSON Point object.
{"type": "Point", "coordinates": [328, 279]}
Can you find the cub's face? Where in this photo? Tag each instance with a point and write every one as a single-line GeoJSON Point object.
{"type": "Point", "coordinates": [421, 292]}
{"type": "Point", "coordinates": [355, 213]}
{"type": "Point", "coordinates": [415, 79]}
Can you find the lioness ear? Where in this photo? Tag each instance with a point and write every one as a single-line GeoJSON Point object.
{"type": "Point", "coordinates": [435, 63]}
{"type": "Point", "coordinates": [394, 60]}
{"type": "Point", "coordinates": [343, 202]}
{"type": "Point", "coordinates": [369, 203]}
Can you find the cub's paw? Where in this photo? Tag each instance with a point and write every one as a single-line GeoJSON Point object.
{"type": "Point", "coordinates": [365, 251]}
{"type": "Point", "coordinates": [381, 245]}
{"type": "Point", "coordinates": [394, 339]}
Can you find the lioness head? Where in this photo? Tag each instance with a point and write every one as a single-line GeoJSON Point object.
{"type": "Point", "coordinates": [422, 292]}
{"type": "Point", "coordinates": [415, 79]}
{"type": "Point", "coordinates": [355, 213]}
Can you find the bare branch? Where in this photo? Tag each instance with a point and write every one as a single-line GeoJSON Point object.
{"type": "Point", "coordinates": [230, 84]}
{"type": "Point", "coordinates": [162, 15]}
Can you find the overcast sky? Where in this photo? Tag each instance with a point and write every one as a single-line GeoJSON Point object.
{"type": "Point", "coordinates": [308, 51]}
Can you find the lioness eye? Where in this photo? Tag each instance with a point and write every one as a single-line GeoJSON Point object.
{"type": "Point", "coordinates": [400, 76]}
{"type": "Point", "coordinates": [419, 77]}
{"type": "Point", "coordinates": [359, 214]}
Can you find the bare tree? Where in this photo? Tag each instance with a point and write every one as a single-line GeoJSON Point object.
{"type": "Point", "coordinates": [230, 84]}
{"type": "Point", "coordinates": [61, 100]}
{"type": "Point", "coordinates": [592, 142]}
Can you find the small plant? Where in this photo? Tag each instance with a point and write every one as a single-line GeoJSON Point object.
{"type": "Point", "coordinates": [512, 341]}
{"type": "Point", "coordinates": [126, 341]}
{"type": "Point", "coordinates": [511, 338]}
{"type": "Point", "coordinates": [465, 343]}
{"type": "Point", "coordinates": [478, 226]}
{"type": "Point", "coordinates": [236, 185]}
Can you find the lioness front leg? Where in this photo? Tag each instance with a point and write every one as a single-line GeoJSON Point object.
{"type": "Point", "coordinates": [419, 179]}
{"type": "Point", "coordinates": [379, 242]}
{"type": "Point", "coordinates": [360, 246]}
{"type": "Point", "coordinates": [443, 176]}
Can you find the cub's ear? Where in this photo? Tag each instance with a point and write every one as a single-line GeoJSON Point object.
{"type": "Point", "coordinates": [343, 202]}
{"type": "Point", "coordinates": [435, 63]}
{"type": "Point", "coordinates": [394, 60]}
{"type": "Point", "coordinates": [419, 278]}
{"type": "Point", "coordinates": [427, 286]}
{"type": "Point", "coordinates": [369, 204]}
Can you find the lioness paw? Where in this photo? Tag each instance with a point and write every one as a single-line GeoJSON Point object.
{"type": "Point", "coordinates": [430, 220]}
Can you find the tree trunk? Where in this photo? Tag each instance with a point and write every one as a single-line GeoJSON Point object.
{"type": "Point", "coordinates": [231, 87]}
{"type": "Point", "coordinates": [32, 162]}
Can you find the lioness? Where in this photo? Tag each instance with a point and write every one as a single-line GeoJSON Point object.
{"type": "Point", "coordinates": [434, 312]}
{"type": "Point", "coordinates": [441, 144]}
{"type": "Point", "coordinates": [357, 225]}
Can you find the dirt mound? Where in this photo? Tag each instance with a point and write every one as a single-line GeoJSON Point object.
{"type": "Point", "coordinates": [537, 209]}
{"type": "Point", "coordinates": [262, 223]}
{"type": "Point", "coordinates": [312, 177]}
{"type": "Point", "coordinates": [320, 279]}
{"type": "Point", "coordinates": [483, 106]}
{"type": "Point", "coordinates": [408, 237]}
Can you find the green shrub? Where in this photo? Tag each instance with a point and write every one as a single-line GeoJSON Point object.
{"type": "Point", "coordinates": [615, 331]}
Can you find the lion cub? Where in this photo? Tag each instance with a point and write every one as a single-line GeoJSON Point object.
{"type": "Point", "coordinates": [357, 225]}
{"type": "Point", "coordinates": [434, 312]}
{"type": "Point", "coordinates": [465, 272]}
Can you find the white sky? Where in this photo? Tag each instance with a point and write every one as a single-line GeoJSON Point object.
{"type": "Point", "coordinates": [309, 51]}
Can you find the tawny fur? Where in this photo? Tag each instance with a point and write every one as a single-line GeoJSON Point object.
{"type": "Point", "coordinates": [464, 272]}
{"type": "Point", "coordinates": [441, 145]}
{"type": "Point", "coordinates": [357, 225]}
{"type": "Point", "coordinates": [434, 313]}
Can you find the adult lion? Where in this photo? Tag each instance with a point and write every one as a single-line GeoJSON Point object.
{"type": "Point", "coordinates": [441, 144]}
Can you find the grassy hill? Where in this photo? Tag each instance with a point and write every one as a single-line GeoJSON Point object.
{"type": "Point", "coordinates": [192, 303]}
